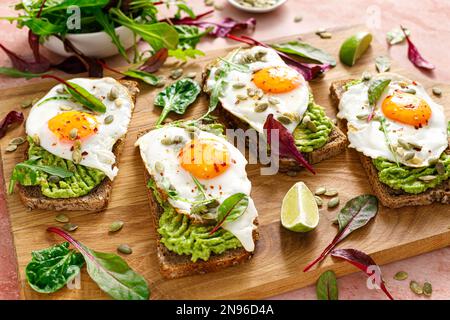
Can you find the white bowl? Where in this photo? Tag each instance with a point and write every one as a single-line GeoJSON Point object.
{"type": "Point", "coordinates": [235, 4]}
{"type": "Point", "coordinates": [95, 44]}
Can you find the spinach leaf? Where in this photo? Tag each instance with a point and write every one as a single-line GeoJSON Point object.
{"type": "Point", "coordinates": [177, 97]}
{"type": "Point", "coordinates": [184, 54]}
{"type": "Point", "coordinates": [305, 50]}
{"type": "Point", "coordinates": [147, 77]}
{"type": "Point", "coordinates": [326, 287]}
{"type": "Point", "coordinates": [52, 268]}
{"type": "Point", "coordinates": [105, 21]}
{"type": "Point", "coordinates": [85, 98]}
{"type": "Point", "coordinates": [231, 209]}
{"type": "Point", "coordinates": [12, 72]}
{"type": "Point", "coordinates": [110, 272]}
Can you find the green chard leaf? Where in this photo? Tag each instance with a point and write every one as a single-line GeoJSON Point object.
{"type": "Point", "coordinates": [184, 54]}
{"type": "Point", "coordinates": [326, 287]}
{"type": "Point", "coordinates": [85, 98]}
{"type": "Point", "coordinates": [52, 268]}
{"type": "Point", "coordinates": [14, 73]}
{"type": "Point", "coordinates": [147, 77]}
{"type": "Point", "coordinates": [177, 97]}
{"type": "Point", "coordinates": [376, 89]}
{"type": "Point", "coordinates": [231, 209]}
{"type": "Point", "coordinates": [305, 50]}
{"type": "Point", "coordinates": [357, 213]}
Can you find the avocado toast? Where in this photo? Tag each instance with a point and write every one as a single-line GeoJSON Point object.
{"type": "Point", "coordinates": [88, 188]}
{"type": "Point", "coordinates": [399, 184]}
{"type": "Point", "coordinates": [187, 199]}
{"type": "Point", "coordinates": [256, 83]}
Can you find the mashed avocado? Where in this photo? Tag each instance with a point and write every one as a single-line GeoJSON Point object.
{"type": "Point", "coordinates": [181, 236]}
{"type": "Point", "coordinates": [82, 182]}
{"type": "Point", "coordinates": [307, 140]}
{"type": "Point", "coordinates": [407, 178]}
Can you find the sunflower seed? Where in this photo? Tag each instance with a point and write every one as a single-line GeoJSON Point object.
{"type": "Point", "coordinates": [125, 249]}
{"type": "Point", "coordinates": [36, 140]}
{"type": "Point", "coordinates": [319, 191]}
{"type": "Point", "coordinates": [333, 202]}
{"type": "Point", "coordinates": [70, 227]}
{"type": "Point", "coordinates": [331, 193]}
{"type": "Point", "coordinates": [440, 168]}
{"type": "Point", "coordinates": [427, 289]}
{"type": "Point", "coordinates": [292, 173]}
{"type": "Point", "coordinates": [109, 119]}
{"type": "Point", "coordinates": [319, 200]}
{"type": "Point", "coordinates": [408, 155]}
{"type": "Point", "coordinates": [311, 126]}
{"type": "Point", "coordinates": [427, 178]}
{"type": "Point", "coordinates": [65, 108]}
{"type": "Point", "coordinates": [191, 75]}
{"type": "Point", "coordinates": [401, 275]}
{"type": "Point", "coordinates": [284, 120]}
{"type": "Point", "coordinates": [113, 94]}
{"type": "Point", "coordinates": [273, 100]}
{"type": "Point", "coordinates": [261, 106]}
{"type": "Point", "coordinates": [11, 148]}
{"type": "Point", "coordinates": [62, 218]}
{"type": "Point", "coordinates": [73, 134]}
{"type": "Point", "coordinates": [298, 19]}
{"type": "Point", "coordinates": [437, 91]}
{"type": "Point", "coordinates": [415, 287]}
{"type": "Point", "coordinates": [159, 167]}
{"type": "Point", "coordinates": [53, 179]}
{"type": "Point", "coordinates": [76, 156]}
{"type": "Point", "coordinates": [116, 226]}
{"type": "Point", "coordinates": [176, 74]}
{"type": "Point", "coordinates": [238, 85]}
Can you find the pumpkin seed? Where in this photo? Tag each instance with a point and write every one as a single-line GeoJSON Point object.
{"type": "Point", "coordinates": [319, 200]}
{"type": "Point", "coordinates": [440, 168]}
{"type": "Point", "coordinates": [17, 141]}
{"type": "Point", "coordinates": [116, 226]}
{"type": "Point", "coordinates": [410, 90]}
{"type": "Point", "coordinates": [261, 106]}
{"type": "Point", "coordinates": [65, 108]}
{"type": "Point", "coordinates": [331, 193]}
{"type": "Point", "coordinates": [161, 83]}
{"type": "Point", "coordinates": [415, 145]}
{"type": "Point", "coordinates": [53, 179]}
{"type": "Point", "coordinates": [298, 19]}
{"type": "Point", "coordinates": [401, 275]}
{"type": "Point", "coordinates": [273, 100]}
{"type": "Point", "coordinates": [26, 104]}
{"type": "Point", "coordinates": [325, 35]}
{"type": "Point", "coordinates": [311, 126]}
{"type": "Point", "coordinates": [333, 202]}
{"type": "Point", "coordinates": [60, 90]}
{"type": "Point", "coordinates": [366, 76]}
{"type": "Point", "coordinates": [109, 119]}
{"type": "Point", "coordinates": [113, 94]}
{"type": "Point", "coordinates": [209, 3]}
{"type": "Point", "coordinates": [11, 148]}
{"type": "Point", "coordinates": [408, 155]}
{"type": "Point", "coordinates": [70, 227]}
{"type": "Point", "coordinates": [62, 218]}
{"type": "Point", "coordinates": [191, 75]}
{"type": "Point", "coordinates": [427, 178]}
{"type": "Point", "coordinates": [73, 134]}
{"type": "Point", "coordinates": [238, 85]}
{"type": "Point", "coordinates": [167, 141]}
{"type": "Point", "coordinates": [437, 91]}
{"type": "Point", "coordinates": [241, 97]}
{"type": "Point", "coordinates": [159, 167]}
{"type": "Point", "coordinates": [416, 160]}
{"type": "Point", "coordinates": [363, 116]}
{"type": "Point", "coordinates": [118, 103]}
{"type": "Point", "coordinates": [319, 191]}
{"type": "Point", "coordinates": [36, 140]}
{"type": "Point", "coordinates": [292, 173]}
{"type": "Point", "coordinates": [76, 156]}
{"type": "Point", "coordinates": [175, 74]}
{"type": "Point", "coordinates": [321, 30]}
{"type": "Point", "coordinates": [306, 120]}
{"type": "Point", "coordinates": [251, 92]}
{"type": "Point", "coordinates": [405, 145]}
{"type": "Point", "coordinates": [259, 93]}
{"type": "Point", "coordinates": [218, 6]}
{"type": "Point", "coordinates": [284, 120]}
{"type": "Point", "coordinates": [125, 249]}
{"type": "Point", "coordinates": [427, 289]}
{"type": "Point", "coordinates": [415, 287]}
{"type": "Point", "coordinates": [77, 145]}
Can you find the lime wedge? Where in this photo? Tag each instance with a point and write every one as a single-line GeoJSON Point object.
{"type": "Point", "coordinates": [354, 47]}
{"type": "Point", "coordinates": [299, 211]}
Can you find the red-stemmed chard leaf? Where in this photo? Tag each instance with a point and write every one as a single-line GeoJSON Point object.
{"type": "Point", "coordinates": [95, 70]}
{"type": "Point", "coordinates": [286, 143]}
{"type": "Point", "coordinates": [355, 214]}
{"type": "Point", "coordinates": [414, 55]}
{"type": "Point", "coordinates": [11, 118]}
{"type": "Point", "coordinates": [71, 65]}
{"type": "Point", "coordinates": [230, 209]}
{"type": "Point", "coordinates": [33, 40]}
{"type": "Point", "coordinates": [155, 62]}
{"type": "Point", "coordinates": [364, 263]}
{"type": "Point", "coordinates": [25, 66]}
{"type": "Point", "coordinates": [309, 71]}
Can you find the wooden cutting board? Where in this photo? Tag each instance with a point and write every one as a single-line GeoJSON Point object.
{"type": "Point", "coordinates": [280, 255]}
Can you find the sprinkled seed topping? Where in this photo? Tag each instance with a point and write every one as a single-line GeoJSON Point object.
{"type": "Point", "coordinates": [415, 287]}
{"type": "Point", "coordinates": [53, 179]}
{"type": "Point", "coordinates": [440, 168]}
{"type": "Point", "coordinates": [241, 97]}
{"type": "Point", "coordinates": [325, 35]}
{"type": "Point", "coordinates": [159, 167]}
{"type": "Point", "coordinates": [319, 201]}
{"type": "Point", "coordinates": [401, 275]}
{"type": "Point", "coordinates": [176, 74]}
{"type": "Point", "coordinates": [62, 218]}
{"type": "Point", "coordinates": [73, 134]}
{"type": "Point", "coordinates": [17, 141]}
{"type": "Point", "coordinates": [36, 140]}
{"type": "Point", "coordinates": [273, 100]}
{"type": "Point", "coordinates": [116, 226]}
{"type": "Point", "coordinates": [427, 178]}
{"type": "Point", "coordinates": [70, 227]}
{"type": "Point", "coordinates": [311, 126]}
{"type": "Point", "coordinates": [319, 191]}
{"type": "Point", "coordinates": [334, 202]}
{"type": "Point", "coordinates": [298, 19]}
{"type": "Point", "coordinates": [251, 92]}
{"type": "Point", "coordinates": [113, 94]}
{"type": "Point", "coordinates": [65, 108]}
{"type": "Point", "coordinates": [284, 120]}
{"type": "Point", "coordinates": [125, 249]}
{"type": "Point", "coordinates": [11, 148]}
{"type": "Point", "coordinates": [427, 289]}
{"type": "Point", "coordinates": [238, 85]}
{"type": "Point", "coordinates": [76, 156]}
{"type": "Point", "coordinates": [363, 116]}
{"type": "Point", "coordinates": [109, 119]}
{"type": "Point", "coordinates": [437, 91]}
{"type": "Point", "coordinates": [261, 106]}
{"type": "Point", "coordinates": [331, 193]}
{"type": "Point", "coordinates": [118, 103]}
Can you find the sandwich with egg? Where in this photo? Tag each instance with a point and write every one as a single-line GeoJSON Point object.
{"type": "Point", "coordinates": [401, 134]}
{"type": "Point", "coordinates": [73, 151]}
{"type": "Point", "coordinates": [249, 84]}
{"type": "Point", "coordinates": [199, 196]}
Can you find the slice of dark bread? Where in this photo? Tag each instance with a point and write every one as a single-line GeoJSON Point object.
{"type": "Point", "coordinates": [336, 143]}
{"type": "Point", "coordinates": [173, 265]}
{"type": "Point", "coordinates": [389, 197]}
{"type": "Point", "coordinates": [96, 200]}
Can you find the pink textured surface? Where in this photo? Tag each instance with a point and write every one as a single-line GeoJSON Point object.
{"type": "Point", "coordinates": [428, 21]}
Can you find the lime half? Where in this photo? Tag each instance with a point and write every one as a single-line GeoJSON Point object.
{"type": "Point", "coordinates": [299, 211]}
{"type": "Point", "coordinates": [354, 47]}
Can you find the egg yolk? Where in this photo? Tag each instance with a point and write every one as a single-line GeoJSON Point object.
{"type": "Point", "coordinates": [279, 79]}
{"type": "Point", "coordinates": [204, 159]}
{"type": "Point", "coordinates": [407, 108]}
{"type": "Point", "coordinates": [62, 125]}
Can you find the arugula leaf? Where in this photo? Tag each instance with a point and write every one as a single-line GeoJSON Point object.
{"type": "Point", "coordinates": [14, 73]}
{"type": "Point", "coordinates": [63, 5]}
{"type": "Point", "coordinates": [111, 273]}
{"type": "Point", "coordinates": [305, 50]}
{"type": "Point", "coordinates": [42, 27]}
{"type": "Point", "coordinates": [177, 97]}
{"type": "Point", "coordinates": [105, 21]}
{"type": "Point", "coordinates": [147, 77]}
{"type": "Point", "coordinates": [383, 128]}
{"type": "Point", "coordinates": [52, 268]}
{"type": "Point", "coordinates": [182, 7]}
{"type": "Point", "coordinates": [52, 170]}
{"type": "Point", "coordinates": [231, 209]}
{"type": "Point", "coordinates": [85, 98]}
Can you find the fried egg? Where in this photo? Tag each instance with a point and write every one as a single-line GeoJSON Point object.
{"type": "Point", "coordinates": [415, 125]}
{"type": "Point", "coordinates": [212, 160]}
{"type": "Point", "coordinates": [55, 117]}
{"type": "Point", "coordinates": [264, 84]}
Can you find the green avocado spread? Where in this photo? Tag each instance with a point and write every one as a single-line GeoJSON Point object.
{"type": "Point", "coordinates": [181, 236]}
{"type": "Point", "coordinates": [311, 137]}
{"type": "Point", "coordinates": [409, 179]}
{"type": "Point", "coordinates": [81, 183]}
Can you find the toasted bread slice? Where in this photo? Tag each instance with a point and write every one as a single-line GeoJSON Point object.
{"type": "Point", "coordinates": [173, 265]}
{"type": "Point", "coordinates": [389, 197]}
{"type": "Point", "coordinates": [336, 143]}
{"type": "Point", "coordinates": [96, 200]}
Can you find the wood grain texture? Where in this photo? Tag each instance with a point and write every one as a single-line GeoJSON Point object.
{"type": "Point", "coordinates": [280, 255]}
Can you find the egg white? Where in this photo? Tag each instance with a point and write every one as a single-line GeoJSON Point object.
{"type": "Point", "coordinates": [366, 137]}
{"type": "Point", "coordinates": [98, 148]}
{"type": "Point", "coordinates": [233, 180]}
{"type": "Point", "coordinates": [295, 101]}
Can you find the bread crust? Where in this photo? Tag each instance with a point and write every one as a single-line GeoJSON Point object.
{"type": "Point", "coordinates": [96, 200]}
{"type": "Point", "coordinates": [389, 197]}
